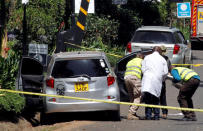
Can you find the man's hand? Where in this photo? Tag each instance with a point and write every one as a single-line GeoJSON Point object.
{"type": "Point", "coordinates": [169, 77]}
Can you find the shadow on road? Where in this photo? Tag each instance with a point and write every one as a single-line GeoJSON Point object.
{"type": "Point", "coordinates": [201, 84]}
{"type": "Point", "coordinates": [80, 116]}
{"type": "Point", "coordinates": [196, 58]}
{"type": "Point", "coordinates": [9, 117]}
{"type": "Point", "coordinates": [31, 115]}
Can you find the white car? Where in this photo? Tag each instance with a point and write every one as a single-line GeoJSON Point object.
{"type": "Point", "coordinates": [147, 37]}
{"type": "Point", "coordinates": [84, 74]}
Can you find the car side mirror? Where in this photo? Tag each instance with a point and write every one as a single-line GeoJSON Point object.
{"type": "Point", "coordinates": [186, 42]}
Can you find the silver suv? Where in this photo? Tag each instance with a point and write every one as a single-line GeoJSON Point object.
{"type": "Point", "coordinates": [80, 74]}
{"type": "Point", "coordinates": [147, 37]}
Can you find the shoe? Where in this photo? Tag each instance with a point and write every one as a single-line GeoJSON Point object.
{"type": "Point", "coordinates": [155, 118]}
{"type": "Point", "coordinates": [132, 117]}
{"type": "Point", "coordinates": [164, 116]}
{"type": "Point", "coordinates": [145, 118]}
{"type": "Point", "coordinates": [189, 119]}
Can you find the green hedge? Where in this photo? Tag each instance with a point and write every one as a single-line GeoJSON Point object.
{"type": "Point", "coordinates": [10, 102]}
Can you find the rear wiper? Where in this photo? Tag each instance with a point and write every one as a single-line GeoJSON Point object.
{"type": "Point", "coordinates": [146, 41]}
{"type": "Point", "coordinates": [82, 75]}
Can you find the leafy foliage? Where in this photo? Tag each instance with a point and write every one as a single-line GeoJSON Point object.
{"type": "Point", "coordinates": [101, 29]}
{"type": "Point", "coordinates": [43, 19]}
{"type": "Point", "coordinates": [8, 72]}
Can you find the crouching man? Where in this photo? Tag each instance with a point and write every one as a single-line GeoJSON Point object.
{"type": "Point", "coordinates": [187, 81]}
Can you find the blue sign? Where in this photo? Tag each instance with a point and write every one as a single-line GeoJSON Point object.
{"type": "Point", "coordinates": [183, 10]}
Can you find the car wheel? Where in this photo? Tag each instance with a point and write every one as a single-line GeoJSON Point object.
{"type": "Point", "coordinates": [114, 115]}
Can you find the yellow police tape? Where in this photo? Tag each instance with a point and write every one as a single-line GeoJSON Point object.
{"type": "Point", "coordinates": [93, 49]}
{"type": "Point", "coordinates": [102, 101]}
{"type": "Point", "coordinates": [195, 65]}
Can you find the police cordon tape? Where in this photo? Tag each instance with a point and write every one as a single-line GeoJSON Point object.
{"type": "Point", "coordinates": [102, 101]}
{"type": "Point", "coordinates": [119, 56]}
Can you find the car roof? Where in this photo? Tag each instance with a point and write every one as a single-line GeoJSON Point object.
{"type": "Point", "coordinates": [79, 54]}
{"type": "Point", "coordinates": [158, 28]}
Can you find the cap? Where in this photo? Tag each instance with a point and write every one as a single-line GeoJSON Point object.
{"type": "Point", "coordinates": [163, 48]}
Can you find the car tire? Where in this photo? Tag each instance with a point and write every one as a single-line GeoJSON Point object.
{"type": "Point", "coordinates": [114, 115]}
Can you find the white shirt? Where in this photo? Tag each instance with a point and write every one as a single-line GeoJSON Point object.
{"type": "Point", "coordinates": [154, 69]}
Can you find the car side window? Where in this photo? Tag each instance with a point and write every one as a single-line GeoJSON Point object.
{"type": "Point", "coordinates": [181, 37]}
{"type": "Point", "coordinates": [177, 38]}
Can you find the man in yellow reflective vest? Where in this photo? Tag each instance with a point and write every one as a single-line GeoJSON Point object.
{"type": "Point", "coordinates": [190, 81]}
{"type": "Point", "coordinates": [132, 79]}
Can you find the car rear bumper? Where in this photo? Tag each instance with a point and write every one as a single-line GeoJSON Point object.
{"type": "Point", "coordinates": [52, 107]}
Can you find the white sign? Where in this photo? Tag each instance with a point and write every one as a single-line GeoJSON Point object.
{"type": "Point", "coordinates": [183, 10]}
{"type": "Point", "coordinates": [39, 52]}
{"type": "Point", "coordinates": [25, 1]}
{"type": "Point", "coordinates": [90, 9]}
{"type": "Point", "coordinates": [38, 48]}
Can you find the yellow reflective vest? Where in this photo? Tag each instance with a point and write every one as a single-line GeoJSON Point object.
{"type": "Point", "coordinates": [133, 67]}
{"type": "Point", "coordinates": [185, 73]}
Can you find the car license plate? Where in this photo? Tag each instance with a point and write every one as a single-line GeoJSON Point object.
{"type": "Point", "coordinates": [81, 87]}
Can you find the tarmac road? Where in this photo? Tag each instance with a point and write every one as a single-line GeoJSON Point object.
{"type": "Point", "coordinates": [173, 122]}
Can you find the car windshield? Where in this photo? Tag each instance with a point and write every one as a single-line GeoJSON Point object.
{"type": "Point", "coordinates": [153, 37]}
{"type": "Point", "coordinates": [81, 67]}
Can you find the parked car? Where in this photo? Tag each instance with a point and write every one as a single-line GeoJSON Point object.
{"type": "Point", "coordinates": [120, 69]}
{"type": "Point", "coordinates": [80, 74]}
{"type": "Point", "coordinates": [147, 37]}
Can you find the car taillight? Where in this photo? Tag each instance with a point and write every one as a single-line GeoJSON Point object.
{"type": "Point", "coordinates": [110, 80]}
{"type": "Point", "coordinates": [50, 82]}
{"type": "Point", "coordinates": [176, 49]}
{"type": "Point", "coordinates": [129, 48]}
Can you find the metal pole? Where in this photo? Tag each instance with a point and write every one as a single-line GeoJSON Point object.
{"type": "Point", "coordinates": [73, 13]}
{"type": "Point", "coordinates": [24, 32]}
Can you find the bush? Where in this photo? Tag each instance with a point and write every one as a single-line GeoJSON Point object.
{"type": "Point", "coordinates": [100, 27]}
{"type": "Point", "coordinates": [8, 72]}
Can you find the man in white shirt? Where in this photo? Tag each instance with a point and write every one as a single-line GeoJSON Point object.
{"type": "Point", "coordinates": [155, 69]}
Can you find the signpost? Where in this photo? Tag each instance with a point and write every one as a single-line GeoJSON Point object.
{"type": "Point", "coordinates": [91, 8]}
{"type": "Point", "coordinates": [24, 2]}
{"type": "Point", "coordinates": [183, 10]}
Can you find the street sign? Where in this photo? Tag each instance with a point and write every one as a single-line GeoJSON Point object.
{"type": "Point", "coordinates": [183, 10]}
{"type": "Point", "coordinates": [39, 52]}
{"type": "Point", "coordinates": [90, 9]}
{"type": "Point", "coordinates": [119, 2]}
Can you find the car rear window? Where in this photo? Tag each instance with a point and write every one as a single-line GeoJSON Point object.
{"type": "Point", "coordinates": [153, 37]}
{"type": "Point", "coordinates": [90, 67]}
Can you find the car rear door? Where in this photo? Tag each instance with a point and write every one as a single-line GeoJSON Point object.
{"type": "Point", "coordinates": [85, 78]}
{"type": "Point", "coordinates": [30, 79]}
{"type": "Point", "coordinates": [120, 72]}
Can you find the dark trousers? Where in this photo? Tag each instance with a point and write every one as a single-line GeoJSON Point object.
{"type": "Point", "coordinates": [163, 98]}
{"type": "Point", "coordinates": [185, 96]}
{"type": "Point", "coordinates": [148, 98]}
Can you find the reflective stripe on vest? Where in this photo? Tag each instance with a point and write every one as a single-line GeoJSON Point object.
{"type": "Point", "coordinates": [185, 73]}
{"type": "Point", "coordinates": [133, 67]}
